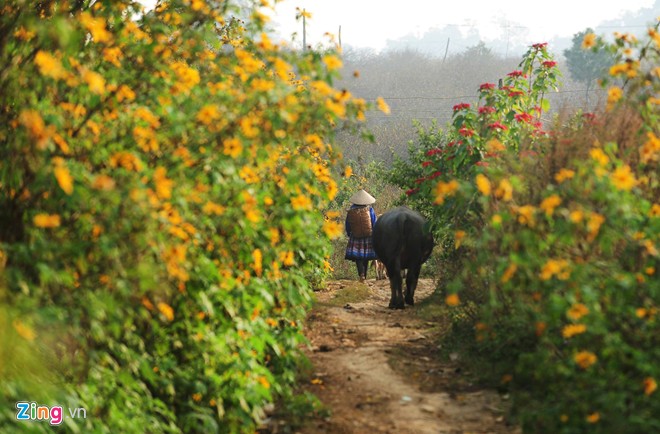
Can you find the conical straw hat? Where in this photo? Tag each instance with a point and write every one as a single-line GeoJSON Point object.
{"type": "Point", "coordinates": [362, 198]}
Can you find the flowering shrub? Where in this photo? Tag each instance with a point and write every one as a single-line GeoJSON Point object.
{"type": "Point", "coordinates": [160, 181]}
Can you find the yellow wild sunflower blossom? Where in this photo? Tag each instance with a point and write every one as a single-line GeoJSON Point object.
{"type": "Point", "coordinates": [49, 65]}
{"type": "Point", "coordinates": [509, 272]}
{"type": "Point", "coordinates": [64, 179]}
{"type": "Point", "coordinates": [162, 183]}
{"type": "Point", "coordinates": [95, 82]}
{"type": "Point", "coordinates": [584, 359]}
{"type": "Point", "coordinates": [458, 238]}
{"type": "Point", "coordinates": [36, 127]}
{"type": "Point", "coordinates": [504, 190]}
{"type": "Point", "coordinates": [564, 175]}
{"type": "Point", "coordinates": [589, 41]}
{"type": "Point", "coordinates": [444, 190]}
{"type": "Point", "coordinates": [650, 151]}
{"type": "Point", "coordinates": [166, 310]}
{"type": "Point", "coordinates": [526, 215]}
{"type": "Point", "coordinates": [382, 105]}
{"type": "Point", "coordinates": [24, 331]}
{"type": "Point", "coordinates": [614, 94]}
{"type": "Point", "coordinates": [232, 147]}
{"type": "Point", "coordinates": [213, 208]}
{"type": "Point", "coordinates": [126, 160]}
{"type": "Point", "coordinates": [599, 156]}
{"type": "Point", "coordinates": [483, 184]}
{"type": "Point", "coordinates": [655, 210]}
{"type": "Point", "coordinates": [301, 202]}
{"type": "Point", "coordinates": [96, 26]}
{"type": "Point", "coordinates": [555, 267]}
{"type": "Point", "coordinates": [332, 62]}
{"type": "Point", "coordinates": [650, 386]}
{"type": "Point", "coordinates": [257, 262]}
{"type": "Point", "coordinates": [103, 183]}
{"type": "Point", "coordinates": [577, 311]}
{"type": "Point", "coordinates": [549, 204]}
{"type": "Point", "coordinates": [594, 223]}
{"type": "Point", "coordinates": [593, 417]}
{"type": "Point", "coordinates": [113, 55]}
{"type": "Point", "coordinates": [573, 329]}
{"type": "Point", "coordinates": [46, 220]}
{"type": "Point", "coordinates": [452, 300]}
{"type": "Point", "coordinates": [332, 229]}
{"type": "Point", "coordinates": [623, 179]}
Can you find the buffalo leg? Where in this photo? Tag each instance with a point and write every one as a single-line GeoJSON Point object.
{"type": "Point", "coordinates": [411, 284]}
{"type": "Point", "coordinates": [396, 282]}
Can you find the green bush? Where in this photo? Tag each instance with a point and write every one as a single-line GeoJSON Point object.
{"type": "Point", "coordinates": [160, 181]}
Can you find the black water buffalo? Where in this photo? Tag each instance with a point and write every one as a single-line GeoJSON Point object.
{"type": "Point", "coordinates": [401, 241]}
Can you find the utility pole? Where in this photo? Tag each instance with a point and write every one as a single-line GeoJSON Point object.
{"type": "Point", "coordinates": [304, 13]}
{"type": "Point", "coordinates": [340, 37]}
{"type": "Point", "coordinates": [446, 51]}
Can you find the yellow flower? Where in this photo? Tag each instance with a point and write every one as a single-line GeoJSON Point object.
{"type": "Point", "coordinates": [584, 359]}
{"type": "Point", "coordinates": [650, 151]}
{"type": "Point", "coordinates": [332, 62]}
{"type": "Point", "coordinates": [555, 267]}
{"type": "Point", "coordinates": [64, 178]}
{"type": "Point", "coordinates": [332, 229]}
{"type": "Point", "coordinates": [232, 147]}
{"type": "Point", "coordinates": [600, 157]}
{"type": "Point", "coordinates": [655, 210]}
{"type": "Point", "coordinates": [24, 331]}
{"type": "Point", "coordinates": [573, 329]}
{"type": "Point", "coordinates": [348, 171]}
{"type": "Point", "coordinates": [125, 93]}
{"type": "Point", "coordinates": [614, 94]}
{"type": "Point", "coordinates": [563, 175]}
{"type": "Point", "coordinates": [593, 417]}
{"type": "Point", "coordinates": [509, 272]}
{"type": "Point", "coordinates": [113, 55]}
{"type": "Point", "coordinates": [494, 145]}
{"type": "Point", "coordinates": [445, 189]}
{"type": "Point", "coordinates": [623, 179]}
{"type": "Point", "coordinates": [49, 66]}
{"type": "Point", "coordinates": [504, 190]}
{"type": "Point", "coordinates": [576, 216]}
{"type": "Point", "coordinates": [163, 184]}
{"type": "Point", "coordinates": [95, 81]}
{"type": "Point", "coordinates": [650, 385]}
{"type": "Point", "coordinates": [549, 204]}
{"type": "Point", "coordinates": [593, 225]}
{"type": "Point", "coordinates": [197, 397]}
{"type": "Point", "coordinates": [301, 202]}
{"type": "Point", "coordinates": [458, 238]}
{"type": "Point", "coordinates": [257, 258]}
{"type": "Point", "coordinates": [213, 208]}
{"type": "Point", "coordinates": [382, 105]}
{"type": "Point", "coordinates": [338, 108]}
{"type": "Point", "coordinates": [103, 182]}
{"type": "Point", "coordinates": [589, 40]}
{"type": "Point", "coordinates": [248, 175]}
{"type": "Point", "coordinates": [577, 311]}
{"type": "Point", "coordinates": [24, 34]}
{"type": "Point", "coordinates": [483, 184]}
{"type": "Point", "coordinates": [452, 300]}
{"type": "Point", "coordinates": [496, 220]}
{"type": "Point", "coordinates": [166, 310]}
{"type": "Point", "coordinates": [147, 303]}
{"type": "Point", "coordinates": [287, 258]}
{"type": "Point", "coordinates": [32, 121]}
{"type": "Point", "coordinates": [96, 26]}
{"type": "Point", "coordinates": [264, 382]}
{"type": "Point", "coordinates": [46, 220]}
{"type": "Point", "coordinates": [526, 215]}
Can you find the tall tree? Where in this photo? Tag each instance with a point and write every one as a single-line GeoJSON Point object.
{"type": "Point", "coordinates": [587, 59]}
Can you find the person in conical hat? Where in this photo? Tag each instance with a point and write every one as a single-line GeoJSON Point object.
{"type": "Point", "coordinates": [360, 220]}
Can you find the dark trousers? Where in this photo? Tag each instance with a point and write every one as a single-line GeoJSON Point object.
{"type": "Point", "coordinates": [362, 267]}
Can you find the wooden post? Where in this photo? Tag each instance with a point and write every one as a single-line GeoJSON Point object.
{"type": "Point", "coordinates": [340, 37]}
{"type": "Point", "coordinates": [304, 31]}
{"type": "Point", "coordinates": [446, 51]}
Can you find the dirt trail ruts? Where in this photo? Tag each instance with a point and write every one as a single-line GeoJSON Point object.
{"type": "Point", "coordinates": [377, 370]}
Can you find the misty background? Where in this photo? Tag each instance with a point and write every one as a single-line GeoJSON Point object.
{"type": "Point", "coordinates": [422, 77]}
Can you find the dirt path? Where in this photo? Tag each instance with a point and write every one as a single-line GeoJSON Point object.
{"type": "Point", "coordinates": [377, 370]}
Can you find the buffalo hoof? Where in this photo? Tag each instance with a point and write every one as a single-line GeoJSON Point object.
{"type": "Point", "coordinates": [410, 301]}
{"type": "Point", "coordinates": [394, 305]}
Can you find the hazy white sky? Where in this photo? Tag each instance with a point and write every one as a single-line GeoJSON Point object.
{"type": "Point", "coordinates": [369, 23]}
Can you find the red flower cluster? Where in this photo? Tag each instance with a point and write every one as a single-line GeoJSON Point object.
{"type": "Point", "coordinates": [412, 191]}
{"type": "Point", "coordinates": [427, 163]}
{"type": "Point", "coordinates": [523, 117]}
{"type": "Point", "coordinates": [486, 109]}
{"type": "Point", "coordinates": [487, 86]}
{"type": "Point", "coordinates": [517, 73]}
{"type": "Point", "coordinates": [514, 93]}
{"type": "Point", "coordinates": [497, 126]}
{"type": "Point", "coordinates": [432, 152]}
{"type": "Point", "coordinates": [549, 63]}
{"type": "Point", "coordinates": [461, 106]}
{"type": "Point", "coordinates": [540, 45]}
{"type": "Point", "coordinates": [466, 132]}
